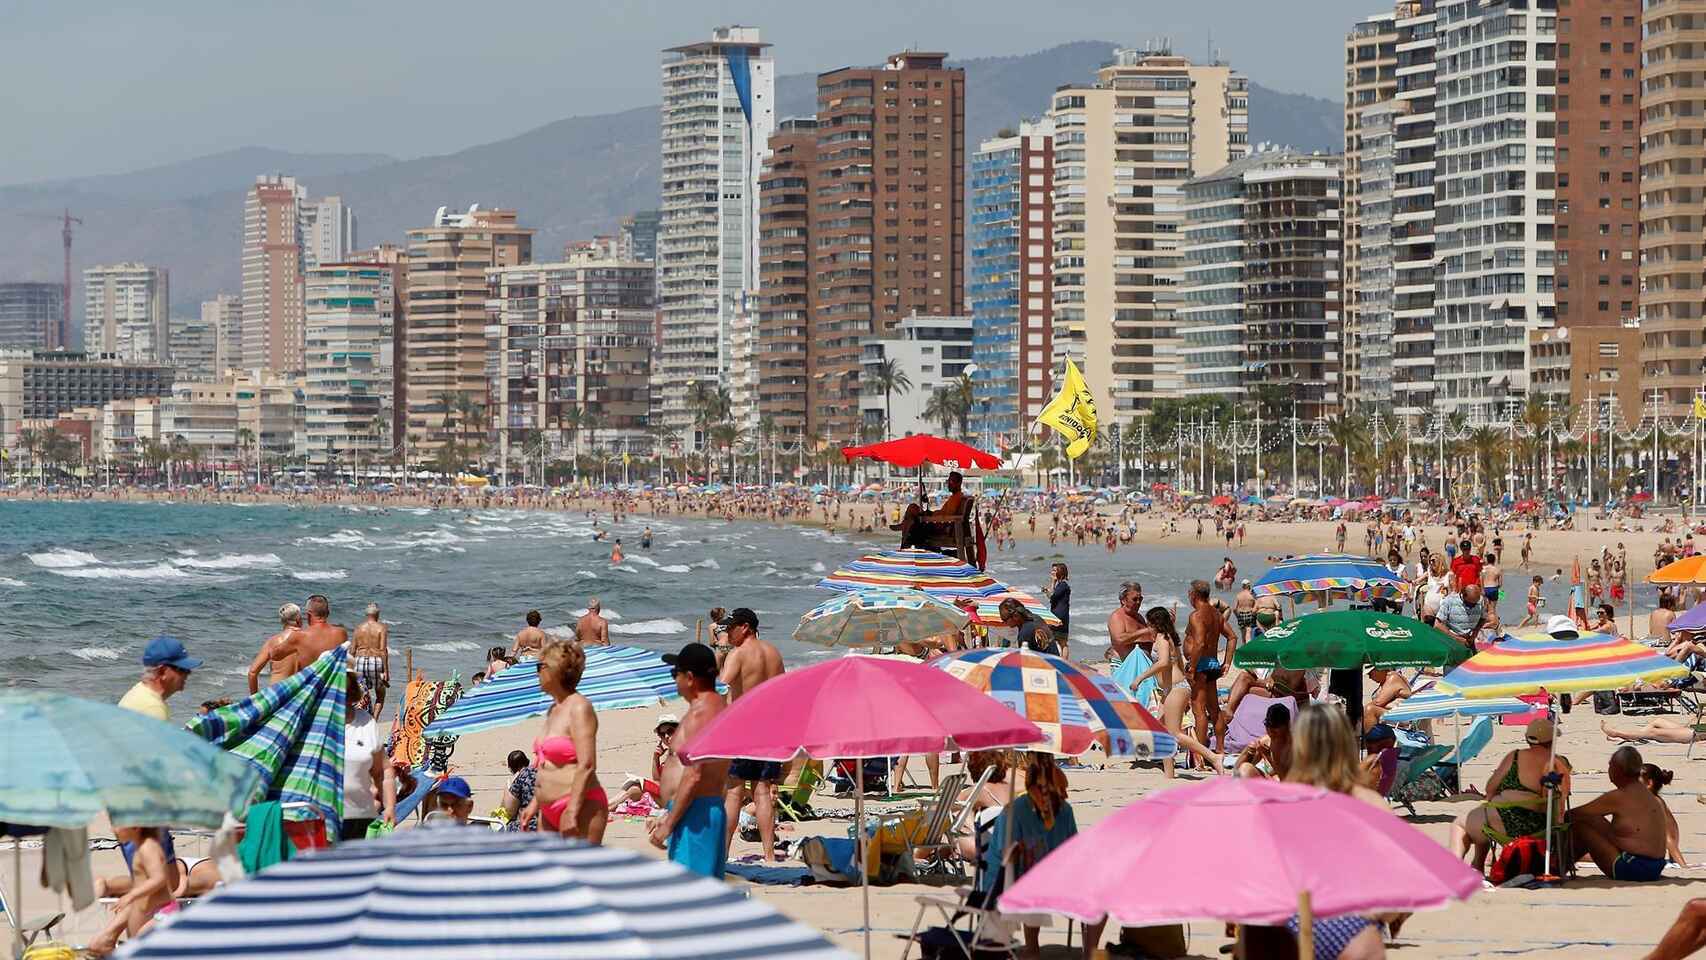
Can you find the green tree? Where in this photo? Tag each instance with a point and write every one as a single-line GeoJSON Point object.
{"type": "Point", "coordinates": [888, 378]}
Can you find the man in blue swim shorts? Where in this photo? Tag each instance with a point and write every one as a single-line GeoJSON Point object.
{"type": "Point", "coordinates": [694, 828]}
{"type": "Point", "coordinates": [1623, 829]}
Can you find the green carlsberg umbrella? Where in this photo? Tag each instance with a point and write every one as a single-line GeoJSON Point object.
{"type": "Point", "coordinates": [1348, 639]}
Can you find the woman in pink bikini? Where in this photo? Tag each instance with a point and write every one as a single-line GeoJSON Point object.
{"type": "Point", "coordinates": [571, 801]}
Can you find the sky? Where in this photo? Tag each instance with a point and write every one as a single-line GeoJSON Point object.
{"type": "Point", "coordinates": [92, 90]}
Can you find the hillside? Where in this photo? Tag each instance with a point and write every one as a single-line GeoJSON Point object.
{"type": "Point", "coordinates": [570, 179]}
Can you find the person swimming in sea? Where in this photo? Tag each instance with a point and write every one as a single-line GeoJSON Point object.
{"type": "Point", "coordinates": [646, 539]}
{"type": "Point", "coordinates": [616, 552]}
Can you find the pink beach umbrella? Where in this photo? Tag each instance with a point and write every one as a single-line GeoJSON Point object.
{"type": "Point", "coordinates": [1245, 851]}
{"type": "Point", "coordinates": [858, 707]}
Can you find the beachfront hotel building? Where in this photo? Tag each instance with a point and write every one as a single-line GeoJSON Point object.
{"type": "Point", "coordinates": [1496, 141]}
{"type": "Point", "coordinates": [1672, 181]}
{"type": "Point", "coordinates": [1371, 83]}
{"type": "Point", "coordinates": [1010, 290]}
{"type": "Point", "coordinates": [719, 108]}
{"type": "Point", "coordinates": [349, 311]}
{"type": "Point", "coordinates": [1123, 148]}
{"type": "Point", "coordinates": [224, 313]}
{"type": "Point", "coordinates": [194, 348]}
{"type": "Point", "coordinates": [574, 356]}
{"type": "Point", "coordinates": [272, 274]}
{"type": "Point", "coordinates": [445, 345]}
{"type": "Point", "coordinates": [933, 352]}
{"type": "Point", "coordinates": [211, 417]}
{"type": "Point", "coordinates": [780, 344]}
{"type": "Point", "coordinates": [29, 312]}
{"type": "Point", "coordinates": [1259, 295]}
{"type": "Point", "coordinates": [1412, 227]}
{"type": "Point", "coordinates": [41, 385]}
{"type": "Point", "coordinates": [126, 312]}
{"type": "Point", "coordinates": [328, 232]}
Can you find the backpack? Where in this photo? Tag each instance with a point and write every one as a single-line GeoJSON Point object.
{"type": "Point", "coordinates": [1524, 855]}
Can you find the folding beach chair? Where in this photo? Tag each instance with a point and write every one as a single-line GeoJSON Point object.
{"type": "Point", "coordinates": [1475, 740]}
{"type": "Point", "coordinates": [793, 801]}
{"type": "Point", "coordinates": [1417, 780]}
{"type": "Point", "coordinates": [970, 924]}
{"type": "Point", "coordinates": [934, 846]}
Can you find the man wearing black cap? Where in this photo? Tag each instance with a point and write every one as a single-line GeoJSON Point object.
{"type": "Point", "coordinates": [750, 663]}
{"type": "Point", "coordinates": [694, 828]}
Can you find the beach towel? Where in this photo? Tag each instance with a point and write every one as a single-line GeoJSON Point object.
{"type": "Point", "coordinates": [423, 701]}
{"type": "Point", "coordinates": [293, 733]}
{"type": "Point", "coordinates": [264, 840]}
{"type": "Point", "coordinates": [1132, 668]}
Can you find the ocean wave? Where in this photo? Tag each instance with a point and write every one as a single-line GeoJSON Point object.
{"type": "Point", "coordinates": [676, 568]}
{"type": "Point", "coordinates": [62, 559]}
{"type": "Point", "coordinates": [449, 646]}
{"type": "Point", "coordinates": [9, 582]}
{"type": "Point", "coordinates": [708, 564]}
{"type": "Point", "coordinates": [649, 628]}
{"type": "Point", "coordinates": [608, 614]}
{"type": "Point", "coordinates": [586, 574]}
{"type": "Point", "coordinates": [96, 653]}
{"type": "Point", "coordinates": [155, 573]}
{"type": "Point", "coordinates": [624, 568]}
{"type": "Point", "coordinates": [230, 561]}
{"type": "Point", "coordinates": [353, 539]}
{"type": "Point", "coordinates": [818, 567]}
{"type": "Point", "coordinates": [318, 575]}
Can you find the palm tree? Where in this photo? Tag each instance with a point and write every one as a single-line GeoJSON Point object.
{"type": "Point", "coordinates": [767, 439]}
{"type": "Point", "coordinates": [964, 401]}
{"type": "Point", "coordinates": [245, 440]}
{"type": "Point", "coordinates": [1347, 431]}
{"type": "Point", "coordinates": [569, 425]}
{"type": "Point", "coordinates": [724, 436]}
{"type": "Point", "coordinates": [1484, 445]}
{"type": "Point", "coordinates": [31, 440]}
{"type": "Point", "coordinates": [888, 377]}
{"type": "Point", "coordinates": [941, 408]}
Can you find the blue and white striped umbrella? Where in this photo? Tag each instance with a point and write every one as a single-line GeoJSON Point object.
{"type": "Point", "coordinates": [471, 894]}
{"type": "Point", "coordinates": [876, 616]}
{"type": "Point", "coordinates": [1432, 704]}
{"type": "Point", "coordinates": [615, 678]}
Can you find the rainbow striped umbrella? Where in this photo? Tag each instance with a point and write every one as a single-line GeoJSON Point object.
{"type": "Point", "coordinates": [872, 617]}
{"type": "Point", "coordinates": [1359, 578]}
{"type": "Point", "coordinates": [989, 608]}
{"type": "Point", "coordinates": [1532, 662]}
{"type": "Point", "coordinates": [914, 569]}
{"type": "Point", "coordinates": [1074, 707]}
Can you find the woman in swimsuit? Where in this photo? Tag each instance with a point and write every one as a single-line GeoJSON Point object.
{"type": "Point", "coordinates": [1169, 672]}
{"type": "Point", "coordinates": [1516, 801]}
{"type": "Point", "coordinates": [571, 801]}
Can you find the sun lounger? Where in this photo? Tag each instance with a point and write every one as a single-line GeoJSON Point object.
{"type": "Point", "coordinates": [1416, 779]}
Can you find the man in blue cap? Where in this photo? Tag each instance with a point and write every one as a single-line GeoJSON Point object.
{"type": "Point", "coordinates": [169, 666]}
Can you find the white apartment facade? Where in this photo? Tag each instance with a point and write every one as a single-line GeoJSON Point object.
{"type": "Point", "coordinates": [350, 317]}
{"type": "Point", "coordinates": [126, 312]}
{"type": "Point", "coordinates": [328, 232]}
{"type": "Point", "coordinates": [719, 109]}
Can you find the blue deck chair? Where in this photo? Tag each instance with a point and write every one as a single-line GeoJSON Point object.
{"type": "Point", "coordinates": [426, 783]}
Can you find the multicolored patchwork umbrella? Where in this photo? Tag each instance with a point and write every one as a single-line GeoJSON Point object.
{"type": "Point", "coordinates": [989, 608]}
{"type": "Point", "coordinates": [875, 617]}
{"type": "Point", "coordinates": [1359, 578]}
{"type": "Point", "coordinates": [1075, 708]}
{"type": "Point", "coordinates": [1529, 663]}
{"type": "Point", "coordinates": [914, 569]}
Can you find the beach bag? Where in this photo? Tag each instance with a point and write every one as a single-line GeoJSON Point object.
{"type": "Point", "coordinates": [1524, 855]}
{"type": "Point", "coordinates": [1605, 702]}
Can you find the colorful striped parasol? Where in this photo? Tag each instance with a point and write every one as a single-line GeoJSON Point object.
{"type": "Point", "coordinates": [989, 613]}
{"type": "Point", "coordinates": [1359, 578]}
{"type": "Point", "coordinates": [925, 570]}
{"type": "Point", "coordinates": [874, 617]}
{"type": "Point", "coordinates": [1530, 663]}
{"type": "Point", "coordinates": [1075, 707]}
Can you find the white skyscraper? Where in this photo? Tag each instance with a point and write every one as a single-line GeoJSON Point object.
{"type": "Point", "coordinates": [328, 232]}
{"type": "Point", "coordinates": [719, 108]}
{"type": "Point", "coordinates": [1494, 162]}
{"type": "Point", "coordinates": [125, 311]}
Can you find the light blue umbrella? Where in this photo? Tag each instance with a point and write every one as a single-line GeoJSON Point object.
{"type": "Point", "coordinates": [877, 616]}
{"type": "Point", "coordinates": [1432, 704]}
{"type": "Point", "coordinates": [615, 678]}
{"type": "Point", "coordinates": [473, 894]}
{"type": "Point", "coordinates": [66, 760]}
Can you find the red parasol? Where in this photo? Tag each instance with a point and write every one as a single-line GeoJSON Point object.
{"type": "Point", "coordinates": [922, 448]}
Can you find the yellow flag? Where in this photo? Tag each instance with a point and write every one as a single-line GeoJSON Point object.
{"type": "Point", "coordinates": [1700, 408]}
{"type": "Point", "coordinates": [1072, 413]}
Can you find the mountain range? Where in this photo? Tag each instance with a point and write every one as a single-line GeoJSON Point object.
{"type": "Point", "coordinates": [569, 179]}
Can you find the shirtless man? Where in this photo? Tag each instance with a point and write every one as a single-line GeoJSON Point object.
{"type": "Point", "coordinates": [750, 663]}
{"type": "Point", "coordinates": [592, 630]}
{"type": "Point", "coordinates": [1244, 610]}
{"type": "Point", "coordinates": [370, 657]}
{"type": "Point", "coordinates": [1202, 658]}
{"type": "Point", "coordinates": [320, 635]}
{"type": "Point", "coordinates": [692, 828]}
{"type": "Point", "coordinates": [279, 649]}
{"type": "Point", "coordinates": [1127, 630]}
{"type": "Point", "coordinates": [529, 640]}
{"type": "Point", "coordinates": [1492, 581]}
{"type": "Point", "coordinates": [1623, 829]}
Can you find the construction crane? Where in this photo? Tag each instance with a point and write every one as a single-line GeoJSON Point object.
{"type": "Point", "coordinates": [61, 338]}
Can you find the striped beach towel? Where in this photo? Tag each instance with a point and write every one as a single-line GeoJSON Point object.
{"type": "Point", "coordinates": [615, 677]}
{"type": "Point", "coordinates": [293, 733]}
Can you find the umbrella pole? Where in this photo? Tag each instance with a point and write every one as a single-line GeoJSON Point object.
{"type": "Point", "coordinates": [859, 832]}
{"type": "Point", "coordinates": [17, 912]}
{"type": "Point", "coordinates": [1305, 927]}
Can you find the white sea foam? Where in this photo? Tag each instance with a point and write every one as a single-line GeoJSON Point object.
{"type": "Point", "coordinates": [624, 568]}
{"type": "Point", "coordinates": [9, 582]}
{"type": "Point", "coordinates": [586, 574]}
{"type": "Point", "coordinates": [96, 653]}
{"type": "Point", "coordinates": [450, 646]}
{"type": "Point", "coordinates": [155, 573]}
{"type": "Point", "coordinates": [63, 559]}
{"type": "Point", "coordinates": [649, 628]}
{"type": "Point", "coordinates": [319, 575]}
{"type": "Point", "coordinates": [353, 539]}
{"type": "Point", "coordinates": [676, 568]}
{"type": "Point", "coordinates": [708, 564]}
{"type": "Point", "coordinates": [231, 561]}
{"type": "Point", "coordinates": [607, 613]}
{"type": "Point", "coordinates": [818, 567]}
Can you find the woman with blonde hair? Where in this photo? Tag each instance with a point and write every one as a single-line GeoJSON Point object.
{"type": "Point", "coordinates": [571, 801]}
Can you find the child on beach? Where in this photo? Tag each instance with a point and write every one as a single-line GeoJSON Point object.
{"type": "Point", "coordinates": [153, 878]}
